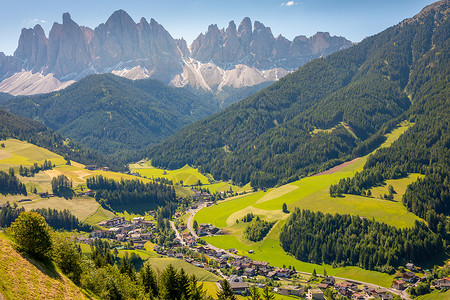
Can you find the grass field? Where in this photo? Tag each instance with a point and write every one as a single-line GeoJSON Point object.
{"type": "Point", "coordinates": [81, 207]}
{"type": "Point", "coordinates": [18, 153]}
{"type": "Point", "coordinates": [99, 215]}
{"type": "Point", "coordinates": [187, 174]}
{"type": "Point", "coordinates": [436, 295]}
{"type": "Point", "coordinates": [161, 263]}
{"type": "Point", "coordinates": [22, 278]}
{"type": "Point", "coordinates": [309, 193]}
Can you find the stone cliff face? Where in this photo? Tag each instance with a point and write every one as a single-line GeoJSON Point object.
{"type": "Point", "coordinates": [148, 50]}
{"type": "Point", "coordinates": [256, 47]}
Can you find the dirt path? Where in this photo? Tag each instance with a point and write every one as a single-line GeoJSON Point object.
{"type": "Point", "coordinates": [177, 233]}
{"type": "Point", "coordinates": [337, 168]}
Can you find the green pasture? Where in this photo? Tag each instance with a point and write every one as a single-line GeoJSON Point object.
{"type": "Point", "coordinates": [81, 207]}
{"type": "Point", "coordinates": [18, 153]}
{"type": "Point", "coordinates": [436, 295]}
{"type": "Point", "coordinates": [131, 211]}
{"type": "Point", "coordinates": [187, 174]}
{"type": "Point", "coordinates": [99, 215]}
{"type": "Point", "coordinates": [210, 288]}
{"type": "Point", "coordinates": [160, 263]}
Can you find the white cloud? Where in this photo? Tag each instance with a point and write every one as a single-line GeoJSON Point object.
{"type": "Point", "coordinates": [34, 21]}
{"type": "Point", "coordinates": [289, 3]}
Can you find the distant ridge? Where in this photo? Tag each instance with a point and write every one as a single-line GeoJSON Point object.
{"type": "Point", "coordinates": [237, 57]}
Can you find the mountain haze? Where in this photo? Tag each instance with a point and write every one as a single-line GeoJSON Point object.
{"type": "Point", "coordinates": [319, 115]}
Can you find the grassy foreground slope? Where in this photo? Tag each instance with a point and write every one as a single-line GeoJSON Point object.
{"type": "Point", "coordinates": [22, 278]}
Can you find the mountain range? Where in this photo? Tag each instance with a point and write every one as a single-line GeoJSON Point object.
{"type": "Point", "coordinates": [234, 57]}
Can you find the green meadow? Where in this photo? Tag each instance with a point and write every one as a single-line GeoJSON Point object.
{"type": "Point", "coordinates": [188, 175]}
{"type": "Point", "coordinates": [309, 193]}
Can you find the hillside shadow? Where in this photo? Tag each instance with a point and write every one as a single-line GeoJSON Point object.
{"type": "Point", "coordinates": [438, 260]}
{"type": "Point", "coordinates": [46, 266]}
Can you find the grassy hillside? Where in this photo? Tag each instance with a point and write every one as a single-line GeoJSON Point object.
{"type": "Point", "coordinates": [188, 175]}
{"type": "Point", "coordinates": [22, 278]}
{"type": "Point", "coordinates": [318, 116]}
{"type": "Point", "coordinates": [309, 193]}
{"type": "Point", "coordinates": [16, 153]}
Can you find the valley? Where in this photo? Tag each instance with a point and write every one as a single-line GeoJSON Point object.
{"type": "Point", "coordinates": [244, 166]}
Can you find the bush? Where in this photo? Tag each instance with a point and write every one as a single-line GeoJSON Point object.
{"type": "Point", "coordinates": [32, 234]}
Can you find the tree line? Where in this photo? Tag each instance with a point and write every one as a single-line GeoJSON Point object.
{"type": "Point", "coordinates": [130, 191]}
{"type": "Point", "coordinates": [55, 218]}
{"type": "Point", "coordinates": [257, 230]}
{"type": "Point", "coordinates": [10, 184]}
{"type": "Point", "coordinates": [351, 240]}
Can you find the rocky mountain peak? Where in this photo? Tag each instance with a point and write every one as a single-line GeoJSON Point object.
{"type": "Point", "coordinates": [72, 51]}
{"type": "Point", "coordinates": [66, 18]}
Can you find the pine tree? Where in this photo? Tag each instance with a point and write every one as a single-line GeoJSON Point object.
{"type": "Point", "coordinates": [225, 292]}
{"type": "Point", "coordinates": [267, 294]}
{"type": "Point", "coordinates": [254, 294]}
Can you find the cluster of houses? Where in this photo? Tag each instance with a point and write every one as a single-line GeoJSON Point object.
{"type": "Point", "coordinates": [95, 167]}
{"type": "Point", "coordinates": [407, 278]}
{"type": "Point", "coordinates": [199, 195]}
{"type": "Point", "coordinates": [138, 231]}
{"type": "Point", "coordinates": [207, 229]}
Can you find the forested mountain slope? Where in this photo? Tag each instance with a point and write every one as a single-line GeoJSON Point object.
{"type": "Point", "coordinates": [110, 113]}
{"type": "Point", "coordinates": [12, 126]}
{"type": "Point", "coordinates": [325, 111]}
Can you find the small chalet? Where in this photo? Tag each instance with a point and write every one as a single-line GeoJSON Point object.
{"type": "Point", "coordinates": [137, 220]}
{"type": "Point", "coordinates": [329, 280]}
{"type": "Point", "coordinates": [323, 286]}
{"type": "Point", "coordinates": [113, 222]}
{"type": "Point", "coordinates": [315, 294]}
{"type": "Point", "coordinates": [249, 272]}
{"type": "Point", "coordinates": [91, 167]}
{"type": "Point", "coordinates": [443, 283]}
{"type": "Point", "coordinates": [283, 273]}
{"type": "Point", "coordinates": [105, 169]}
{"type": "Point", "coordinates": [238, 285]}
{"type": "Point", "coordinates": [99, 233]}
{"type": "Point", "coordinates": [121, 237]}
{"type": "Point", "coordinates": [288, 290]}
{"type": "Point", "coordinates": [411, 267]}
{"type": "Point", "coordinates": [139, 244]}
{"type": "Point", "coordinates": [398, 284]}
{"type": "Point", "coordinates": [357, 296]}
{"type": "Point", "coordinates": [409, 277]}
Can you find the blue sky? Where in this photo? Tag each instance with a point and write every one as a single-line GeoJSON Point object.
{"type": "Point", "coordinates": [353, 19]}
